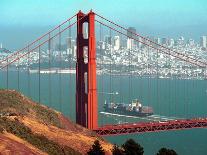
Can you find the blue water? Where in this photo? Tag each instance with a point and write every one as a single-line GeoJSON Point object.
{"type": "Point", "coordinates": [168, 97]}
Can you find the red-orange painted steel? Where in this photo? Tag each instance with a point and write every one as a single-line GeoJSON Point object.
{"type": "Point", "coordinates": [142, 127]}
{"type": "Point", "coordinates": [86, 90]}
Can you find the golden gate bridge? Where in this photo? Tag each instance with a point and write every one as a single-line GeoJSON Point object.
{"type": "Point", "coordinates": [41, 56]}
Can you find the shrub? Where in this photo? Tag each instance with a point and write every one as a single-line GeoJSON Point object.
{"type": "Point", "coordinates": [96, 149]}
{"type": "Point", "coordinates": [116, 150]}
{"type": "Point", "coordinates": [131, 147]}
{"type": "Point", "coordinates": [165, 151]}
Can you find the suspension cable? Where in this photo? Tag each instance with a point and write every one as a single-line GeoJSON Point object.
{"type": "Point", "coordinates": [35, 41]}
{"type": "Point", "coordinates": [24, 54]}
{"type": "Point", "coordinates": [138, 35]}
{"type": "Point", "coordinates": [176, 55]}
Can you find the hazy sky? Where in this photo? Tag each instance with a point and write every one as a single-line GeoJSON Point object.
{"type": "Point", "coordinates": [151, 17]}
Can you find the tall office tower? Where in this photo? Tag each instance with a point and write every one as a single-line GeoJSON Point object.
{"type": "Point", "coordinates": [130, 43]}
{"type": "Point", "coordinates": [164, 41]}
{"type": "Point", "coordinates": [74, 47]}
{"type": "Point", "coordinates": [191, 42]}
{"type": "Point", "coordinates": [140, 44]}
{"type": "Point", "coordinates": [181, 41]}
{"type": "Point", "coordinates": [203, 41]}
{"type": "Point", "coordinates": [158, 40]}
{"type": "Point", "coordinates": [171, 42]}
{"type": "Point", "coordinates": [130, 32]}
{"type": "Point", "coordinates": [116, 43]}
{"type": "Point", "coordinates": [107, 39]}
{"type": "Point", "coordinates": [69, 45]}
{"type": "Point", "coordinates": [69, 42]}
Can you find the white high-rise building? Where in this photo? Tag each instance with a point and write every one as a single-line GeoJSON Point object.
{"type": "Point", "coordinates": [116, 43]}
{"type": "Point", "coordinates": [203, 41]}
{"type": "Point", "coordinates": [1, 45]}
{"type": "Point", "coordinates": [191, 42]}
{"type": "Point", "coordinates": [130, 43]}
{"type": "Point", "coordinates": [158, 40]}
{"type": "Point", "coordinates": [171, 42]}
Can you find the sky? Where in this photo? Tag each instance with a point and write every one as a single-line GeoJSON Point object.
{"type": "Point", "coordinates": [27, 19]}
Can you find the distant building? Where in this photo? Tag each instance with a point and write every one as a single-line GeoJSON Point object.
{"type": "Point", "coordinates": [116, 43]}
{"type": "Point", "coordinates": [158, 40]}
{"type": "Point", "coordinates": [108, 39]}
{"type": "Point", "coordinates": [164, 41]}
{"type": "Point", "coordinates": [131, 31]}
{"type": "Point", "coordinates": [69, 42]}
{"type": "Point", "coordinates": [130, 43]}
{"type": "Point", "coordinates": [203, 41]}
{"type": "Point", "coordinates": [181, 41]}
{"type": "Point", "coordinates": [140, 44]}
{"type": "Point", "coordinates": [171, 42]}
{"type": "Point", "coordinates": [191, 42]}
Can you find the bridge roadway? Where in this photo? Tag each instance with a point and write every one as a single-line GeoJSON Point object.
{"type": "Point", "coordinates": [141, 127]}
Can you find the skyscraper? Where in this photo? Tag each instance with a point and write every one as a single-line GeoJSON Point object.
{"type": "Point", "coordinates": [69, 42]}
{"type": "Point", "coordinates": [171, 42]}
{"type": "Point", "coordinates": [130, 32]}
{"type": "Point", "coordinates": [130, 43]}
{"type": "Point", "coordinates": [158, 40]}
{"type": "Point", "coordinates": [203, 41]}
{"type": "Point", "coordinates": [116, 42]}
{"type": "Point", "coordinates": [107, 39]}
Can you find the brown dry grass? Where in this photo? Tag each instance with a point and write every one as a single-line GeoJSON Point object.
{"type": "Point", "coordinates": [13, 145]}
{"type": "Point", "coordinates": [56, 128]}
{"type": "Point", "coordinates": [76, 140]}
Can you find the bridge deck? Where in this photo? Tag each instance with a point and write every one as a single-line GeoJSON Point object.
{"type": "Point", "coordinates": [142, 127]}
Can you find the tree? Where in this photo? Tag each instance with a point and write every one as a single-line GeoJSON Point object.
{"type": "Point", "coordinates": [165, 151]}
{"type": "Point", "coordinates": [116, 150]}
{"type": "Point", "coordinates": [132, 148]}
{"type": "Point", "coordinates": [96, 149]}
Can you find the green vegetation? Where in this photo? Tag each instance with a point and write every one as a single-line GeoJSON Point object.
{"type": "Point", "coordinates": [117, 150]}
{"type": "Point", "coordinates": [165, 151]}
{"type": "Point", "coordinates": [12, 103]}
{"type": "Point", "coordinates": [47, 115]}
{"type": "Point", "coordinates": [39, 141]}
{"type": "Point", "coordinates": [131, 147]}
{"type": "Point", "coordinates": [96, 149]}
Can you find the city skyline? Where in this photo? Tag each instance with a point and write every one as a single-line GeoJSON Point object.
{"type": "Point", "coordinates": [161, 19]}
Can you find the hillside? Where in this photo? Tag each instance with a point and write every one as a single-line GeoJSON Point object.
{"type": "Point", "coordinates": [27, 127]}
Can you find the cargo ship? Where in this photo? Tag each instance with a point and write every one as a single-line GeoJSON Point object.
{"type": "Point", "coordinates": [135, 108]}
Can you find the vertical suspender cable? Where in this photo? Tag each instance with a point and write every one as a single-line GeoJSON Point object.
{"type": "Point", "coordinates": [69, 61]}
{"type": "Point", "coordinates": [60, 77]}
{"type": "Point", "coordinates": [49, 59]}
{"type": "Point", "coordinates": [28, 73]}
{"type": "Point", "coordinates": [39, 73]}
{"type": "Point", "coordinates": [148, 77]}
{"type": "Point", "coordinates": [157, 93]}
{"type": "Point", "coordinates": [101, 67]}
{"type": "Point", "coordinates": [18, 76]}
{"type": "Point", "coordinates": [7, 74]}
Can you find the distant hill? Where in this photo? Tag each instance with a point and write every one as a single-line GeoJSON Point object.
{"type": "Point", "coordinates": [27, 127]}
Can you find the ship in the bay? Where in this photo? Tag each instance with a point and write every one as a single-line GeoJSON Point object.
{"type": "Point", "coordinates": [135, 108]}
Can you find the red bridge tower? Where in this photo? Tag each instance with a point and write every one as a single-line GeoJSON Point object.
{"type": "Point", "coordinates": [86, 91]}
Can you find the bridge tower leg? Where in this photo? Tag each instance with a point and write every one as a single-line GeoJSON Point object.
{"type": "Point", "coordinates": [86, 91]}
